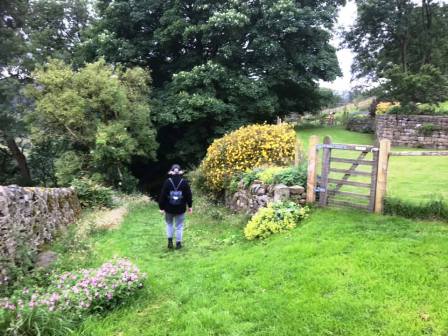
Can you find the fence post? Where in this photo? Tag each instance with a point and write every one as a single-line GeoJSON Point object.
{"type": "Point", "coordinates": [381, 180]}
{"type": "Point", "coordinates": [312, 169]}
{"type": "Point", "coordinates": [323, 195]}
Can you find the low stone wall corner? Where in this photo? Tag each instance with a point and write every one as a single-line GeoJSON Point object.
{"type": "Point", "coordinates": [31, 217]}
{"type": "Point", "coordinates": [258, 195]}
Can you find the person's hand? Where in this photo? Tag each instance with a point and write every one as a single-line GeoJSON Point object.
{"type": "Point", "coordinates": [162, 211]}
{"type": "Point", "coordinates": [190, 210]}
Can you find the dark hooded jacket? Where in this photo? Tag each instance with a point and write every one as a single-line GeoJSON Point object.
{"type": "Point", "coordinates": [187, 199]}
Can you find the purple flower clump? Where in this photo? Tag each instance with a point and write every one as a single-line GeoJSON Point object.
{"type": "Point", "coordinates": [80, 290]}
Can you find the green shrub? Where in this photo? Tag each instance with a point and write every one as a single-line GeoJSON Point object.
{"type": "Point", "coordinates": [267, 175]}
{"type": "Point", "coordinates": [92, 194]}
{"type": "Point", "coordinates": [292, 176]}
{"type": "Point", "coordinates": [250, 176]}
{"type": "Point", "coordinates": [432, 209]}
{"type": "Point", "coordinates": [276, 217]}
{"type": "Point", "coordinates": [428, 129]}
{"type": "Point", "coordinates": [128, 183]}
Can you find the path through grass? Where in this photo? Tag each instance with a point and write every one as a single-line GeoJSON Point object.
{"type": "Point", "coordinates": [339, 273]}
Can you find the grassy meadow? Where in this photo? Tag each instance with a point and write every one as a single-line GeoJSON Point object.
{"type": "Point", "coordinates": [341, 272]}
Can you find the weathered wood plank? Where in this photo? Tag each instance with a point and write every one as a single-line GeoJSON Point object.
{"type": "Point", "coordinates": [423, 153]}
{"type": "Point", "coordinates": [325, 172]}
{"type": "Point", "coordinates": [346, 171]}
{"type": "Point", "coordinates": [373, 182]}
{"type": "Point", "coordinates": [351, 183]}
{"type": "Point", "coordinates": [348, 204]}
{"type": "Point", "coordinates": [361, 148]}
{"type": "Point", "coordinates": [333, 192]}
{"type": "Point", "coordinates": [312, 169]}
{"type": "Point", "coordinates": [361, 162]}
{"type": "Point", "coordinates": [381, 180]}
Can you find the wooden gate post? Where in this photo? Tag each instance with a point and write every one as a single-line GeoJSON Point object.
{"type": "Point", "coordinates": [381, 180]}
{"type": "Point", "coordinates": [312, 169]}
{"type": "Point", "coordinates": [323, 194]}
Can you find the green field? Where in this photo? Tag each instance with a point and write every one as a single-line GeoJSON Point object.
{"type": "Point", "coordinates": [410, 178]}
{"type": "Point", "coordinates": [340, 272]}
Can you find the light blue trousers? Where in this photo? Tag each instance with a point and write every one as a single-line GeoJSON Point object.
{"type": "Point", "coordinates": [179, 221]}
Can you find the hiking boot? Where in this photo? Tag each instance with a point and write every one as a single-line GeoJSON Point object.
{"type": "Point", "coordinates": [170, 243]}
{"type": "Point", "coordinates": [178, 245]}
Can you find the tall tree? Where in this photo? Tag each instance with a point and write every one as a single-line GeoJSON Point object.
{"type": "Point", "coordinates": [30, 32]}
{"type": "Point", "coordinates": [219, 64]}
{"type": "Point", "coordinates": [101, 114]}
{"type": "Point", "coordinates": [401, 32]}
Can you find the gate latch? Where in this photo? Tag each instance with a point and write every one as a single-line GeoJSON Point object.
{"type": "Point", "coordinates": [319, 189]}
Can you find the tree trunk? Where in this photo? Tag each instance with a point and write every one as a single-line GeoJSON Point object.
{"type": "Point", "coordinates": [20, 159]}
{"type": "Point", "coordinates": [426, 36]}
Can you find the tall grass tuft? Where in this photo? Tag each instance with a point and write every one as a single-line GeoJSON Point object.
{"type": "Point", "coordinates": [432, 209]}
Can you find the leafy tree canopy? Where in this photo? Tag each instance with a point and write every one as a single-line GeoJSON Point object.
{"type": "Point", "coordinates": [404, 32]}
{"type": "Point", "coordinates": [219, 64]}
{"type": "Point", "coordinates": [101, 114]}
{"type": "Point", "coordinates": [404, 45]}
{"type": "Point", "coordinates": [30, 32]}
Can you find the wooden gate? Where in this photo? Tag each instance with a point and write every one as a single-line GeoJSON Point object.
{"type": "Point", "coordinates": [348, 179]}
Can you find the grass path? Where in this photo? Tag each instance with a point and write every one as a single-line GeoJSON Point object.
{"type": "Point", "coordinates": [410, 178]}
{"type": "Point", "coordinates": [339, 273]}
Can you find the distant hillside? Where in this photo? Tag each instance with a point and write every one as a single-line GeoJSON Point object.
{"type": "Point", "coordinates": [354, 106]}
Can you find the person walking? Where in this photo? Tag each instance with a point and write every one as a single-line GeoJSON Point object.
{"type": "Point", "coordinates": [174, 199]}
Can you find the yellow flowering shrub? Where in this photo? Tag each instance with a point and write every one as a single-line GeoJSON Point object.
{"type": "Point", "coordinates": [276, 217]}
{"type": "Point", "coordinates": [248, 147]}
{"type": "Point", "coordinates": [384, 107]}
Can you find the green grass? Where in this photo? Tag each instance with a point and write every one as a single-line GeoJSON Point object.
{"type": "Point", "coordinates": [410, 178]}
{"type": "Point", "coordinates": [338, 273]}
{"type": "Point", "coordinates": [338, 135]}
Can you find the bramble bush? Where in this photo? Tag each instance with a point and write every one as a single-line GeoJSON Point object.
{"type": "Point", "coordinates": [246, 148]}
{"type": "Point", "coordinates": [92, 194]}
{"type": "Point", "coordinates": [276, 217]}
{"type": "Point", "coordinates": [57, 308]}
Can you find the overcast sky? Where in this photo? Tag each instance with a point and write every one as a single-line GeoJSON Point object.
{"type": "Point", "coordinates": [346, 18]}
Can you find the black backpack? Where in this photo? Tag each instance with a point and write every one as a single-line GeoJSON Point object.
{"type": "Point", "coordinates": [175, 197]}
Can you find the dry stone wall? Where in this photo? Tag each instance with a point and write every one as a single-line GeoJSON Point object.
{"type": "Point", "coordinates": [413, 130]}
{"type": "Point", "coordinates": [258, 195]}
{"type": "Point", "coordinates": [360, 124]}
{"type": "Point", "coordinates": [30, 217]}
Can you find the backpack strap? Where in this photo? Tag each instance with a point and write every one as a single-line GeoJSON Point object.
{"type": "Point", "coordinates": [174, 186]}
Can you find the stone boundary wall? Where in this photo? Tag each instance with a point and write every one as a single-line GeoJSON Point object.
{"type": "Point", "coordinates": [30, 217]}
{"type": "Point", "coordinates": [360, 124]}
{"type": "Point", "coordinates": [258, 195]}
{"type": "Point", "coordinates": [413, 130]}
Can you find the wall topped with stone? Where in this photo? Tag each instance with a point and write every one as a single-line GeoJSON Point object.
{"type": "Point", "coordinates": [257, 195]}
{"type": "Point", "coordinates": [413, 130]}
{"type": "Point", "coordinates": [361, 124]}
{"type": "Point", "coordinates": [30, 217]}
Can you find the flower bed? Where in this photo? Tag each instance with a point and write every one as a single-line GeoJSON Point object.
{"type": "Point", "coordinates": [76, 293]}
